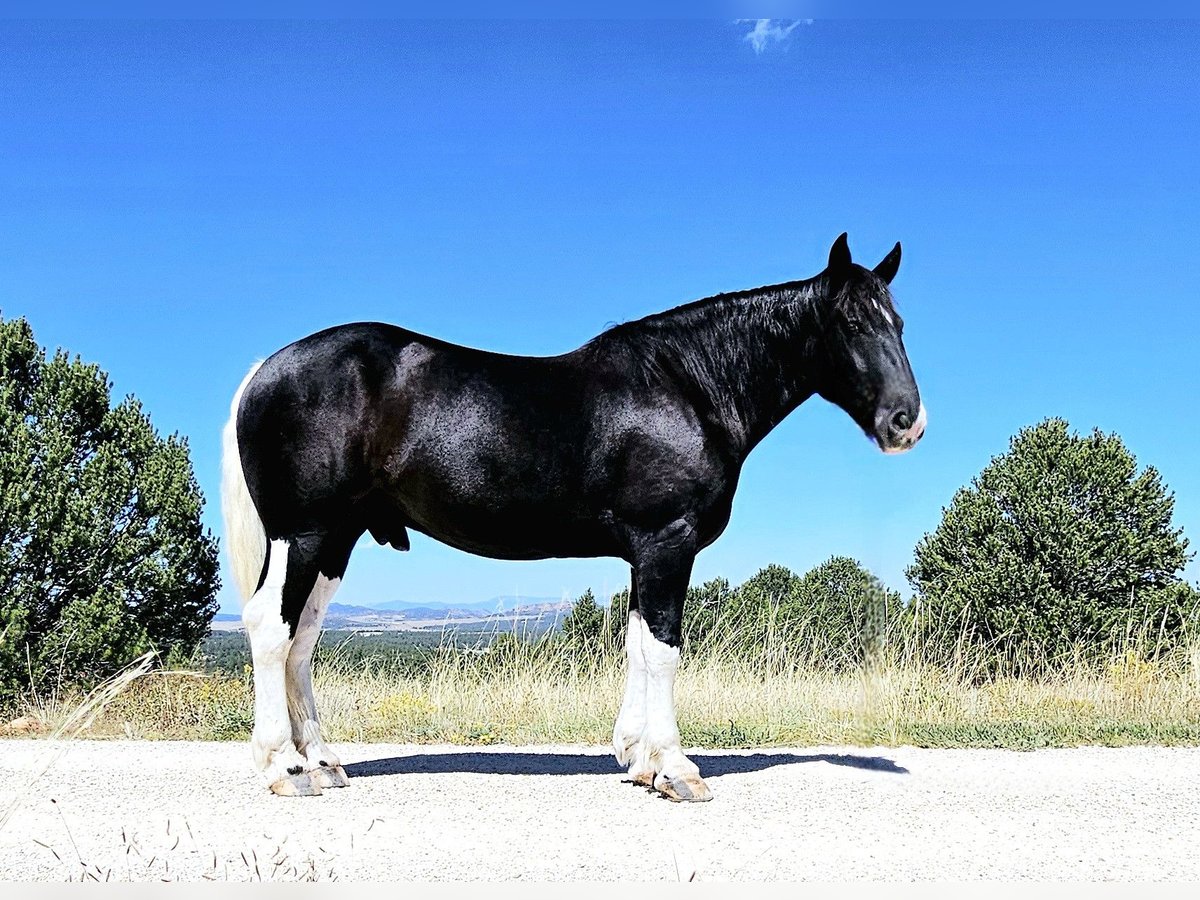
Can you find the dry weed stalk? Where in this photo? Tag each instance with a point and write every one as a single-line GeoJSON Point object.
{"type": "Point", "coordinates": [79, 720]}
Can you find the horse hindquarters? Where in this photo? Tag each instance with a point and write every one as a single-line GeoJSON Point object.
{"type": "Point", "coordinates": [284, 600]}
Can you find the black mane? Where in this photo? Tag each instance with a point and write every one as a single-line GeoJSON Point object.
{"type": "Point", "coordinates": [719, 351]}
{"type": "Point", "coordinates": [729, 302]}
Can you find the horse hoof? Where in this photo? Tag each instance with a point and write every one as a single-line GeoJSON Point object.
{"type": "Point", "coordinates": [302, 785]}
{"type": "Point", "coordinates": [683, 788]}
{"type": "Point", "coordinates": [330, 777]}
{"type": "Point", "coordinates": [643, 779]}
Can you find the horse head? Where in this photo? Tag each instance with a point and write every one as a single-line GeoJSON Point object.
{"type": "Point", "coordinates": [866, 369]}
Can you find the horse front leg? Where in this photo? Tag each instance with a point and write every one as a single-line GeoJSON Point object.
{"type": "Point", "coordinates": [631, 720]}
{"type": "Point", "coordinates": [656, 757]}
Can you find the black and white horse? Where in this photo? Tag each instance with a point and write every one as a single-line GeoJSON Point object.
{"type": "Point", "coordinates": [629, 446]}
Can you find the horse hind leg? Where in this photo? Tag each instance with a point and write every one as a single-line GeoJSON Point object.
{"type": "Point", "coordinates": [272, 617]}
{"type": "Point", "coordinates": [320, 762]}
{"type": "Point", "coordinates": [271, 638]}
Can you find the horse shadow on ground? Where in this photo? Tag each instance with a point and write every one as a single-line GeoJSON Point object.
{"type": "Point", "coordinates": [516, 763]}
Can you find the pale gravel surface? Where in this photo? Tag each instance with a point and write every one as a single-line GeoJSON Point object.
{"type": "Point", "coordinates": [178, 810]}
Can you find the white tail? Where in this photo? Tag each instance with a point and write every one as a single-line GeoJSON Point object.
{"type": "Point", "coordinates": [245, 538]}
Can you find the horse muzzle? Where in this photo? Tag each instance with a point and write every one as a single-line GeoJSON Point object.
{"type": "Point", "coordinates": [898, 430]}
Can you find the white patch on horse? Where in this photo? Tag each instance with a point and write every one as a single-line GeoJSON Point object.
{"type": "Point", "coordinates": [658, 752]}
{"type": "Point", "coordinates": [271, 743]}
{"type": "Point", "coordinates": [918, 427]}
{"type": "Point", "coordinates": [302, 706]}
{"type": "Point", "coordinates": [631, 720]}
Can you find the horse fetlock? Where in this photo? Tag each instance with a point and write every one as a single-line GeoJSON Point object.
{"type": "Point", "coordinates": [314, 750]}
{"type": "Point", "coordinates": [627, 736]}
{"type": "Point", "coordinates": [288, 775]}
{"type": "Point", "coordinates": [623, 749]}
{"type": "Point", "coordinates": [635, 756]}
{"type": "Point", "coordinates": [275, 757]}
{"type": "Point", "coordinates": [318, 756]}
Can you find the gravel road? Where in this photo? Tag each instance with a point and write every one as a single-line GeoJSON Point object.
{"type": "Point", "coordinates": [144, 811]}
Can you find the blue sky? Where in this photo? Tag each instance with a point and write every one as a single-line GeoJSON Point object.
{"type": "Point", "coordinates": [178, 199]}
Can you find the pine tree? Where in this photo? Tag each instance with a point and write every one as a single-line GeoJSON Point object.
{"type": "Point", "coordinates": [585, 626]}
{"type": "Point", "coordinates": [1058, 544]}
{"type": "Point", "coordinates": [102, 553]}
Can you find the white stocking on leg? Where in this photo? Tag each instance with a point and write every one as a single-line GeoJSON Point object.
{"type": "Point", "coordinates": [319, 760]}
{"type": "Point", "coordinates": [631, 720]}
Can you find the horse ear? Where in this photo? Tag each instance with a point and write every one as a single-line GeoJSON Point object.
{"type": "Point", "coordinates": [888, 265]}
{"type": "Point", "coordinates": [839, 254]}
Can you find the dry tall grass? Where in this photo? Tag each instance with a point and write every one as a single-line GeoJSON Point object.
{"type": "Point", "coordinates": [74, 720]}
{"type": "Point", "coordinates": [521, 693]}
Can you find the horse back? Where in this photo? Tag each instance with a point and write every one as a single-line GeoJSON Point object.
{"type": "Point", "coordinates": [372, 426]}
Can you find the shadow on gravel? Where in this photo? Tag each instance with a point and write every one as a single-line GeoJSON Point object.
{"type": "Point", "coordinates": [509, 763]}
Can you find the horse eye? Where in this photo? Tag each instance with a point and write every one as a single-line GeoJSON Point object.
{"type": "Point", "coordinates": [855, 326]}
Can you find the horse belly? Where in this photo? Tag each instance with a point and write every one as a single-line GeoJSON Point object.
{"type": "Point", "coordinates": [503, 513]}
{"type": "Point", "coordinates": [515, 533]}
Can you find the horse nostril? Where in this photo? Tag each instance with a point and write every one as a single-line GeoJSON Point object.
{"type": "Point", "coordinates": [902, 421]}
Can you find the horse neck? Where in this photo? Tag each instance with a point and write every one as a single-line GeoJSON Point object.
{"type": "Point", "coordinates": [746, 359]}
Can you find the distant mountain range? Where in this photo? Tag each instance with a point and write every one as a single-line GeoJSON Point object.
{"type": "Point", "coordinates": [502, 613]}
{"type": "Point", "coordinates": [494, 605]}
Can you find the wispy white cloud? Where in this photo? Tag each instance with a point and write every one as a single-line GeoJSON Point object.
{"type": "Point", "coordinates": [766, 31]}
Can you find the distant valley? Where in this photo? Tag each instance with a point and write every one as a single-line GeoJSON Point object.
{"type": "Point", "coordinates": [499, 613]}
